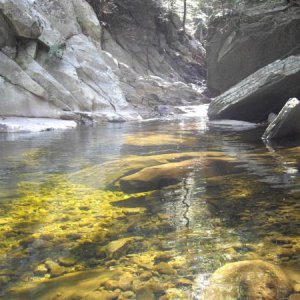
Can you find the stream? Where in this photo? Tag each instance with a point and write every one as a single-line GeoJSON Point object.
{"type": "Point", "coordinates": [144, 210]}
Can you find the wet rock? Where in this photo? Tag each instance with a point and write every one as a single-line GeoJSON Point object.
{"type": "Point", "coordinates": [125, 281]}
{"type": "Point", "coordinates": [54, 268]}
{"type": "Point", "coordinates": [164, 268]}
{"type": "Point", "coordinates": [184, 282]}
{"type": "Point", "coordinates": [286, 123]}
{"type": "Point", "coordinates": [87, 284]}
{"type": "Point", "coordinates": [41, 270]}
{"type": "Point", "coordinates": [163, 256]}
{"type": "Point", "coordinates": [145, 293]}
{"type": "Point", "coordinates": [117, 248]}
{"type": "Point", "coordinates": [250, 33]}
{"type": "Point", "coordinates": [128, 294]}
{"type": "Point", "coordinates": [156, 177]}
{"type": "Point", "coordinates": [145, 275]}
{"type": "Point", "coordinates": [111, 285]}
{"type": "Point", "coordinates": [96, 295]}
{"type": "Point", "coordinates": [67, 261]}
{"type": "Point", "coordinates": [283, 240]}
{"type": "Point", "coordinates": [261, 93]}
{"type": "Point", "coordinates": [254, 279]}
{"type": "Point", "coordinates": [297, 287]}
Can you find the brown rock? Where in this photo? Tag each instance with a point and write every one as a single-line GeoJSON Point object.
{"type": "Point", "coordinates": [54, 268]}
{"type": "Point", "coordinates": [156, 177]}
{"type": "Point", "coordinates": [164, 268]}
{"type": "Point", "coordinates": [253, 279]}
{"type": "Point", "coordinates": [145, 293]}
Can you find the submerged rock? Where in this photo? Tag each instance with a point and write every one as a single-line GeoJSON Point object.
{"type": "Point", "coordinates": [86, 283]}
{"type": "Point", "coordinates": [252, 279]}
{"type": "Point", "coordinates": [115, 249]}
{"type": "Point", "coordinates": [287, 123]}
{"type": "Point", "coordinates": [263, 92]}
{"type": "Point", "coordinates": [156, 177]}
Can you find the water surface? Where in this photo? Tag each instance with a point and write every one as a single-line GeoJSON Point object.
{"type": "Point", "coordinates": [141, 210]}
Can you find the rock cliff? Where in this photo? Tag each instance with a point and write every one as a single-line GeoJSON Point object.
{"type": "Point", "coordinates": [254, 62]}
{"type": "Point", "coordinates": [157, 63]}
{"type": "Point", "coordinates": [57, 61]}
{"type": "Point", "coordinates": [264, 92]}
{"type": "Point", "coordinates": [240, 43]}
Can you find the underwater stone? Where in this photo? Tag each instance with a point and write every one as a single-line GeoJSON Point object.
{"type": "Point", "coordinates": [67, 261]}
{"type": "Point", "coordinates": [54, 268]}
{"type": "Point", "coordinates": [252, 279]}
{"type": "Point", "coordinates": [40, 270]}
{"type": "Point", "coordinates": [164, 268]}
{"type": "Point", "coordinates": [120, 247]}
{"type": "Point", "coordinates": [156, 177]}
{"type": "Point", "coordinates": [145, 293]}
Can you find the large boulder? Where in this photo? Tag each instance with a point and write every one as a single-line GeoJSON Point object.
{"type": "Point", "coordinates": [243, 42]}
{"type": "Point", "coordinates": [254, 279]}
{"type": "Point", "coordinates": [287, 123]}
{"type": "Point", "coordinates": [20, 16]}
{"type": "Point", "coordinates": [261, 93]}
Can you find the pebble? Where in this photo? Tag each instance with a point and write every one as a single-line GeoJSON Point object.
{"type": "Point", "coordinates": [164, 268]}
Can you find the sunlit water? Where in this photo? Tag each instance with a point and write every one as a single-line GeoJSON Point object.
{"type": "Point", "coordinates": [142, 210]}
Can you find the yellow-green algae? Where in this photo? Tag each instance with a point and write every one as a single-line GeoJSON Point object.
{"type": "Point", "coordinates": [155, 139]}
{"type": "Point", "coordinates": [68, 214]}
{"type": "Point", "coordinates": [57, 211]}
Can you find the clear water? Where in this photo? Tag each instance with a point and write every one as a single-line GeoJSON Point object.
{"type": "Point", "coordinates": [71, 226]}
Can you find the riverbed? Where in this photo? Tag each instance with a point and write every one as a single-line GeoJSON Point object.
{"type": "Point", "coordinates": [145, 210]}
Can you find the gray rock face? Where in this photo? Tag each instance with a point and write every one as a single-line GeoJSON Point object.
{"type": "Point", "coordinates": [7, 38]}
{"type": "Point", "coordinates": [150, 41]}
{"type": "Point", "coordinates": [287, 123]}
{"type": "Point", "coordinates": [58, 71]}
{"type": "Point", "coordinates": [240, 44]}
{"type": "Point", "coordinates": [261, 93]}
{"type": "Point", "coordinates": [20, 16]}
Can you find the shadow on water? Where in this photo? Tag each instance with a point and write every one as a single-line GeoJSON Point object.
{"type": "Point", "coordinates": [64, 209]}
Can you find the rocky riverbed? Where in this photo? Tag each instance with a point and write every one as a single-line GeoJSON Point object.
{"type": "Point", "coordinates": [90, 213]}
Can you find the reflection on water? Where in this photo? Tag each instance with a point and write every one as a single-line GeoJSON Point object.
{"type": "Point", "coordinates": [144, 211]}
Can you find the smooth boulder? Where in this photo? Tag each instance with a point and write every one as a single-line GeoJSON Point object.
{"type": "Point", "coordinates": [287, 123]}
{"type": "Point", "coordinates": [261, 93]}
{"type": "Point", "coordinates": [250, 279]}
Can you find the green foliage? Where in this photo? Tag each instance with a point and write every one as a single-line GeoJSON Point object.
{"type": "Point", "coordinates": [56, 51]}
